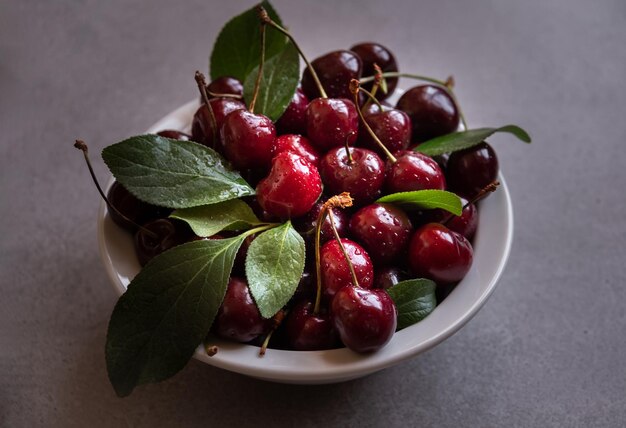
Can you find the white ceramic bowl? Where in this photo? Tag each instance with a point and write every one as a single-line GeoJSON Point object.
{"type": "Point", "coordinates": [492, 244]}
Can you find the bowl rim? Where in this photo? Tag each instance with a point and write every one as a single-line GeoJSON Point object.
{"type": "Point", "coordinates": [278, 365]}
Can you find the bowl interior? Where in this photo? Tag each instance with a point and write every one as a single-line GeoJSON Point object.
{"type": "Point", "coordinates": [491, 249]}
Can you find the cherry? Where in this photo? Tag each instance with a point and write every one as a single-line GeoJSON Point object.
{"type": "Point", "coordinates": [332, 122]}
{"type": "Point", "coordinates": [465, 224]}
{"type": "Point", "coordinates": [297, 144]}
{"type": "Point", "coordinates": [293, 120]}
{"type": "Point", "coordinates": [392, 127]}
{"type": "Point", "coordinates": [432, 110]}
{"type": "Point", "coordinates": [413, 171]}
{"type": "Point", "coordinates": [335, 70]}
{"type": "Point", "coordinates": [388, 276]}
{"type": "Point", "coordinates": [374, 53]}
{"type": "Point", "coordinates": [291, 188]}
{"type": "Point", "coordinates": [365, 319]}
{"type": "Point", "coordinates": [384, 230]}
{"type": "Point", "coordinates": [158, 236]}
{"type": "Point", "coordinates": [336, 271]}
{"type": "Point", "coordinates": [440, 254]}
{"type": "Point", "coordinates": [357, 171]}
{"type": "Point", "coordinates": [131, 208]}
{"type": "Point", "coordinates": [239, 318]}
{"type": "Point", "coordinates": [306, 224]}
{"type": "Point", "coordinates": [248, 139]}
{"type": "Point", "coordinates": [225, 85]}
{"type": "Point", "coordinates": [174, 135]}
{"type": "Point", "coordinates": [307, 331]}
{"type": "Point", "coordinates": [472, 169]}
{"type": "Point", "coordinates": [201, 125]}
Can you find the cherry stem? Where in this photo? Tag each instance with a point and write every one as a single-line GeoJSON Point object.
{"type": "Point", "coordinates": [201, 81]}
{"type": "Point", "coordinates": [355, 280]}
{"type": "Point", "coordinates": [257, 84]}
{"type": "Point", "coordinates": [277, 320]}
{"type": "Point", "coordinates": [347, 146]}
{"type": "Point", "coordinates": [82, 146]}
{"type": "Point", "coordinates": [447, 85]}
{"type": "Point", "coordinates": [211, 350]}
{"type": "Point", "coordinates": [218, 95]}
{"type": "Point", "coordinates": [264, 17]}
{"type": "Point", "coordinates": [489, 188]}
{"type": "Point", "coordinates": [377, 81]}
{"type": "Point", "coordinates": [355, 88]}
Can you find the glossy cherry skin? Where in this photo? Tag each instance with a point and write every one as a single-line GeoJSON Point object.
{"type": "Point", "coordinates": [291, 188]}
{"type": "Point", "coordinates": [392, 127]}
{"type": "Point", "coordinates": [363, 177]}
{"type": "Point", "coordinates": [225, 85]}
{"type": "Point", "coordinates": [365, 319]}
{"type": "Point", "coordinates": [465, 224]}
{"type": "Point", "coordinates": [440, 254]}
{"type": "Point", "coordinates": [201, 127]}
{"type": "Point", "coordinates": [472, 169]}
{"type": "Point", "coordinates": [384, 230]}
{"type": "Point", "coordinates": [389, 276]}
{"type": "Point", "coordinates": [375, 53]}
{"type": "Point", "coordinates": [239, 318]}
{"type": "Point", "coordinates": [293, 120]}
{"type": "Point", "coordinates": [413, 171]}
{"type": "Point", "coordinates": [248, 139]}
{"type": "Point", "coordinates": [174, 135]}
{"type": "Point", "coordinates": [331, 122]}
{"type": "Point", "coordinates": [335, 269]}
{"type": "Point", "coordinates": [335, 70]}
{"type": "Point", "coordinates": [169, 233]}
{"type": "Point", "coordinates": [297, 144]}
{"type": "Point", "coordinates": [136, 210]}
{"type": "Point", "coordinates": [307, 331]}
{"type": "Point", "coordinates": [432, 111]}
{"type": "Point", "coordinates": [306, 224]}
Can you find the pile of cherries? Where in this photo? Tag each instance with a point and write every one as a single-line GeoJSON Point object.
{"type": "Point", "coordinates": [320, 147]}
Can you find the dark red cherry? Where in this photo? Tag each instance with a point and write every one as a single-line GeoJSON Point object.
{"type": "Point", "coordinates": [307, 223]}
{"type": "Point", "coordinates": [239, 318]}
{"type": "Point", "coordinates": [293, 120]}
{"type": "Point", "coordinates": [384, 230]}
{"type": "Point", "coordinates": [307, 331]}
{"type": "Point", "coordinates": [201, 128]}
{"type": "Point", "coordinates": [413, 171]}
{"type": "Point", "coordinates": [363, 176]}
{"type": "Point", "coordinates": [465, 224]}
{"type": "Point", "coordinates": [392, 127]}
{"type": "Point", "coordinates": [472, 169]}
{"type": "Point", "coordinates": [389, 276]}
{"type": "Point", "coordinates": [432, 111]}
{"type": "Point", "coordinates": [134, 209]}
{"type": "Point", "coordinates": [331, 122]}
{"type": "Point", "coordinates": [291, 188]}
{"type": "Point", "coordinates": [174, 135]}
{"type": "Point", "coordinates": [374, 53]}
{"type": "Point", "coordinates": [166, 233]}
{"type": "Point", "coordinates": [248, 139]}
{"type": "Point", "coordinates": [365, 319]}
{"type": "Point", "coordinates": [440, 254]}
{"type": "Point", "coordinates": [297, 144]}
{"type": "Point", "coordinates": [225, 85]}
{"type": "Point", "coordinates": [335, 70]}
{"type": "Point", "coordinates": [335, 269]}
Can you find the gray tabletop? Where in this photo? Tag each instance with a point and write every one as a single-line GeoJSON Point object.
{"type": "Point", "coordinates": [549, 347]}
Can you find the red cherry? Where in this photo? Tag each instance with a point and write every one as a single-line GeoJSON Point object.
{"type": "Point", "coordinates": [225, 85]}
{"type": "Point", "coordinates": [363, 176]}
{"type": "Point", "coordinates": [365, 319]}
{"type": "Point", "coordinates": [392, 127]}
{"type": "Point", "coordinates": [335, 269]}
{"type": "Point", "coordinates": [307, 223]}
{"type": "Point", "coordinates": [440, 254]}
{"type": "Point", "coordinates": [332, 122]}
{"type": "Point", "coordinates": [293, 120]}
{"type": "Point", "coordinates": [470, 170]}
{"type": "Point", "coordinates": [388, 276]}
{"type": "Point", "coordinates": [248, 139]}
{"type": "Point", "coordinates": [201, 126]}
{"type": "Point", "coordinates": [432, 111]}
{"type": "Point", "coordinates": [291, 188]}
{"type": "Point", "coordinates": [335, 70]}
{"type": "Point", "coordinates": [465, 224]}
{"type": "Point", "coordinates": [374, 53]}
{"type": "Point", "coordinates": [413, 171]}
{"type": "Point", "coordinates": [297, 144]}
{"type": "Point", "coordinates": [307, 331]}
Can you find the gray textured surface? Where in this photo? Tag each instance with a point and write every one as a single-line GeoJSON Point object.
{"type": "Point", "coordinates": [547, 350]}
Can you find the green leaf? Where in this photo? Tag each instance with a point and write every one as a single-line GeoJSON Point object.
{"type": "Point", "coordinates": [274, 266]}
{"type": "Point", "coordinates": [237, 49]}
{"type": "Point", "coordinates": [462, 140]}
{"type": "Point", "coordinates": [281, 74]}
{"type": "Point", "coordinates": [414, 299]}
{"type": "Point", "coordinates": [167, 311]}
{"type": "Point", "coordinates": [172, 173]}
{"type": "Point", "coordinates": [426, 200]}
{"type": "Point", "coordinates": [207, 220]}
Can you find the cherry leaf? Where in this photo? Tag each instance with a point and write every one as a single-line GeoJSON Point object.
{"type": "Point", "coordinates": [414, 299]}
{"type": "Point", "coordinates": [207, 220]}
{"type": "Point", "coordinates": [426, 200]}
{"type": "Point", "coordinates": [462, 140]}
